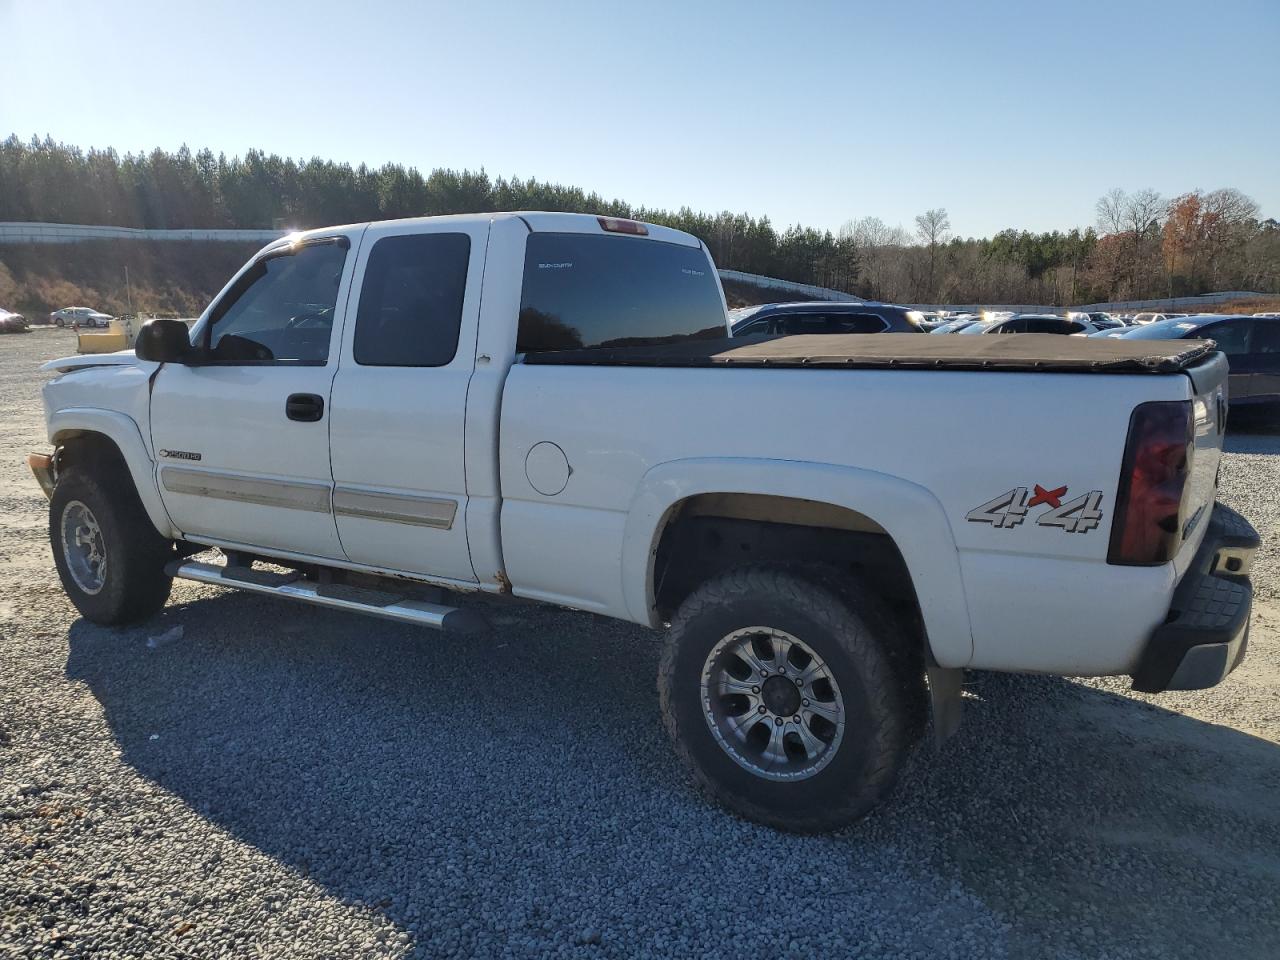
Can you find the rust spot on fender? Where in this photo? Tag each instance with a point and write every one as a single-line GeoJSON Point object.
{"type": "Point", "coordinates": [503, 582]}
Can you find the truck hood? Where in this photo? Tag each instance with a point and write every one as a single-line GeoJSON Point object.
{"type": "Point", "coordinates": [121, 358]}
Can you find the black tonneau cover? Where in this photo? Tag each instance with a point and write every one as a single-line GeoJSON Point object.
{"type": "Point", "coordinates": [1012, 352]}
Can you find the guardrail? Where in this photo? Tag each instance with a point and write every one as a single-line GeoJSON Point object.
{"type": "Point", "coordinates": [788, 286]}
{"type": "Point", "coordinates": [12, 232]}
{"type": "Point", "coordinates": [1179, 304]}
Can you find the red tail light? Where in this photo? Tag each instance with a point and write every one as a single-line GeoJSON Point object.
{"type": "Point", "coordinates": [618, 225]}
{"type": "Point", "coordinates": [1150, 508]}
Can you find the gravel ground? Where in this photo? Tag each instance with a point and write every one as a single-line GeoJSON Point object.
{"type": "Point", "coordinates": [285, 782]}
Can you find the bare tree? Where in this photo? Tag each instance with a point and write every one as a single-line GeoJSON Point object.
{"type": "Point", "coordinates": [934, 228]}
{"type": "Point", "coordinates": [1111, 207]}
{"type": "Point", "coordinates": [873, 240]}
{"type": "Point", "coordinates": [1135, 218]}
{"type": "Point", "coordinates": [1143, 212]}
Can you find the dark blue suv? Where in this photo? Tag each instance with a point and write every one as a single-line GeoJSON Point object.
{"type": "Point", "coordinates": [1252, 346]}
{"type": "Point", "coordinates": [822, 316]}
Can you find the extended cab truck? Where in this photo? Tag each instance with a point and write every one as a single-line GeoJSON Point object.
{"type": "Point", "coordinates": [547, 405]}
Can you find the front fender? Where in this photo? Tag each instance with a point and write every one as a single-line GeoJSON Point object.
{"type": "Point", "coordinates": [124, 433]}
{"type": "Point", "coordinates": [908, 512]}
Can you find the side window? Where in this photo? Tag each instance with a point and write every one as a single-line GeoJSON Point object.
{"type": "Point", "coordinates": [791, 324]}
{"type": "Point", "coordinates": [1016, 326]}
{"type": "Point", "coordinates": [1232, 336]}
{"type": "Point", "coordinates": [281, 310]}
{"type": "Point", "coordinates": [832, 323]}
{"type": "Point", "coordinates": [1266, 336]}
{"type": "Point", "coordinates": [861, 323]}
{"type": "Point", "coordinates": [411, 301]}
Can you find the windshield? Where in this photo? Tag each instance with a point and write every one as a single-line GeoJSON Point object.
{"type": "Point", "coordinates": [1162, 330]}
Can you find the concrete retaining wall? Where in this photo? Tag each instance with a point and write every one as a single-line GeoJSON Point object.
{"type": "Point", "coordinates": [11, 232]}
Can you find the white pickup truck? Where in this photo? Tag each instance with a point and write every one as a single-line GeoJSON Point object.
{"type": "Point", "coordinates": [380, 417]}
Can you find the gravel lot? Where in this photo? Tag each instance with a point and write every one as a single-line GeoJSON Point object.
{"type": "Point", "coordinates": [286, 782]}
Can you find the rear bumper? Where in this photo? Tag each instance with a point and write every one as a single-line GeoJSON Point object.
{"type": "Point", "coordinates": [1206, 632]}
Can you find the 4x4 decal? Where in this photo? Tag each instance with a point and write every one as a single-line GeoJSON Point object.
{"type": "Point", "coordinates": [1008, 510]}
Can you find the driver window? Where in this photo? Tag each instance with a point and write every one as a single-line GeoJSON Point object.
{"type": "Point", "coordinates": [1232, 336]}
{"type": "Point", "coordinates": [281, 310]}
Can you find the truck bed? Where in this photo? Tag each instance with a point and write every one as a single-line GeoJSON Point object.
{"type": "Point", "coordinates": [1042, 352]}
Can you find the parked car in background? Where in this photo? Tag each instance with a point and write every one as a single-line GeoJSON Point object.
{"type": "Point", "coordinates": [1142, 318]}
{"type": "Point", "coordinates": [1034, 323]}
{"type": "Point", "coordinates": [820, 316]}
{"type": "Point", "coordinates": [1252, 346]}
{"type": "Point", "coordinates": [1100, 321]}
{"type": "Point", "coordinates": [956, 325]}
{"type": "Point", "coordinates": [12, 322]}
{"type": "Point", "coordinates": [79, 316]}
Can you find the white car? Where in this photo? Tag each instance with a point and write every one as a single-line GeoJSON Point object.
{"type": "Point", "coordinates": [79, 316]}
{"type": "Point", "coordinates": [548, 406]}
{"type": "Point", "coordinates": [1070, 325]}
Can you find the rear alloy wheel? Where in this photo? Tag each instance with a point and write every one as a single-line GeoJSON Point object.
{"type": "Point", "coordinates": [772, 703]}
{"type": "Point", "coordinates": [781, 698]}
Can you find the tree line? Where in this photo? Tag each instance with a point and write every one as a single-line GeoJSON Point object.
{"type": "Point", "coordinates": [1144, 245]}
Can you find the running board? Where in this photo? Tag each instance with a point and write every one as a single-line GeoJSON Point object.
{"type": "Point", "coordinates": [387, 606]}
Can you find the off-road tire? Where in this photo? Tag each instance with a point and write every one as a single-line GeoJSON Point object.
{"type": "Point", "coordinates": [135, 585]}
{"type": "Point", "coordinates": [847, 625]}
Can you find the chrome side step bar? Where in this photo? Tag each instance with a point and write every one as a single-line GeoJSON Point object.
{"type": "Point", "coordinates": [387, 606]}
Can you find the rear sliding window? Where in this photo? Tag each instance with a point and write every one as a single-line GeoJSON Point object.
{"type": "Point", "coordinates": [589, 291]}
{"type": "Point", "coordinates": [411, 301]}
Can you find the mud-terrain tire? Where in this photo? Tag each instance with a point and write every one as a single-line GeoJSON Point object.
{"type": "Point", "coordinates": [847, 631]}
{"type": "Point", "coordinates": [109, 556]}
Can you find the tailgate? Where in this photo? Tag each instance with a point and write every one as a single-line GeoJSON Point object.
{"type": "Point", "coordinates": [1209, 401]}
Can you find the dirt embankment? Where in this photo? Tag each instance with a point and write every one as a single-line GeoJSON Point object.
{"type": "Point", "coordinates": [118, 276]}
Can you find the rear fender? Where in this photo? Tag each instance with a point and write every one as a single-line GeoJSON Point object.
{"type": "Point", "coordinates": [909, 513]}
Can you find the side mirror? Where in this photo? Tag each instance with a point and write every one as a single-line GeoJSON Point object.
{"type": "Point", "coordinates": [163, 341]}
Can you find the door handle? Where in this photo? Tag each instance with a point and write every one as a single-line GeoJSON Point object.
{"type": "Point", "coordinates": [306, 407]}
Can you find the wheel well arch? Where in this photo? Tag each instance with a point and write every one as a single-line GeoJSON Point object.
{"type": "Point", "coordinates": [705, 535]}
{"type": "Point", "coordinates": [708, 533]}
{"type": "Point", "coordinates": [879, 509]}
{"type": "Point", "coordinates": [75, 446]}
{"type": "Point", "coordinates": [88, 435]}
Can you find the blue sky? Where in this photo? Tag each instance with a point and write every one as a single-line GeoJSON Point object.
{"type": "Point", "coordinates": [1007, 114]}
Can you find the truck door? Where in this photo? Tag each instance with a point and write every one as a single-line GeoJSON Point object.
{"type": "Point", "coordinates": [1266, 360]}
{"type": "Point", "coordinates": [400, 399]}
{"type": "Point", "coordinates": [242, 436]}
{"type": "Point", "coordinates": [1235, 339]}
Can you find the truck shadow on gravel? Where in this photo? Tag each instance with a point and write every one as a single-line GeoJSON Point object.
{"type": "Point", "coordinates": [516, 790]}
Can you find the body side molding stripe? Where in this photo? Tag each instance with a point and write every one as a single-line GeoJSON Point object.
{"type": "Point", "coordinates": [389, 507]}
{"type": "Point", "coordinates": [267, 493]}
{"type": "Point", "coordinates": [395, 508]}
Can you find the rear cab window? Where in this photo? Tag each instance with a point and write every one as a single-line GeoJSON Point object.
{"type": "Point", "coordinates": [589, 291]}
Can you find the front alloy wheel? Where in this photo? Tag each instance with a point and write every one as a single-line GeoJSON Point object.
{"type": "Point", "coordinates": [83, 548]}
